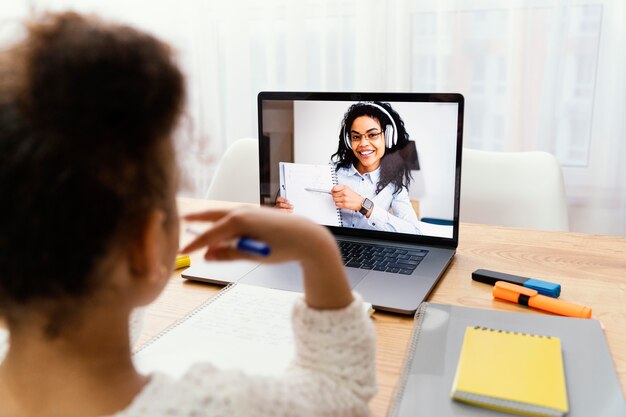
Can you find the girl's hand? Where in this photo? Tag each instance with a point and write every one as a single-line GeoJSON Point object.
{"type": "Point", "coordinates": [290, 238]}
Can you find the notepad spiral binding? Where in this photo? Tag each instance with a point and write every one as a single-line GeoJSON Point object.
{"type": "Point", "coordinates": [185, 318]}
{"type": "Point", "coordinates": [511, 332]}
{"type": "Point", "coordinates": [333, 173]}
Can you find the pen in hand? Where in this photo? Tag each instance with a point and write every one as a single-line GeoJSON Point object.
{"type": "Point", "coordinates": [242, 244]}
{"type": "Point", "coordinates": [317, 190]}
{"type": "Point", "coordinates": [252, 246]}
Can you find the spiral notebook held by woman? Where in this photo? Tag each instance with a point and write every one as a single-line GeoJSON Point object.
{"type": "Point", "coordinates": [308, 187]}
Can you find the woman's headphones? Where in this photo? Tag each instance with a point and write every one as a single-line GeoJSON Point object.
{"type": "Point", "coordinates": [391, 131]}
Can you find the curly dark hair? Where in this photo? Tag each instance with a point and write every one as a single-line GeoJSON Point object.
{"type": "Point", "coordinates": [86, 112]}
{"type": "Point", "coordinates": [394, 166]}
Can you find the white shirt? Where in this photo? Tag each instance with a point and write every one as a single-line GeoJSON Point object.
{"type": "Point", "coordinates": [403, 219]}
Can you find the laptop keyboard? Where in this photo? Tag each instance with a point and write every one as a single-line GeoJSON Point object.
{"type": "Point", "coordinates": [381, 258]}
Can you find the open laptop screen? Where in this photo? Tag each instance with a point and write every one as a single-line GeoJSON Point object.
{"type": "Point", "coordinates": [325, 153]}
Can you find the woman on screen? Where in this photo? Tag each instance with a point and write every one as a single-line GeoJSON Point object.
{"type": "Point", "coordinates": [89, 231]}
{"type": "Point", "coordinates": [372, 172]}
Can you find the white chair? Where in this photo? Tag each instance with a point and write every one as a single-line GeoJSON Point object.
{"type": "Point", "coordinates": [236, 176]}
{"type": "Point", "coordinates": [518, 189]}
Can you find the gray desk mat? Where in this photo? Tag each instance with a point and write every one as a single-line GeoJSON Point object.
{"type": "Point", "coordinates": [424, 388]}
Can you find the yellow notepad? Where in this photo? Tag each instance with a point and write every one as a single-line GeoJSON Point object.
{"type": "Point", "coordinates": [514, 372]}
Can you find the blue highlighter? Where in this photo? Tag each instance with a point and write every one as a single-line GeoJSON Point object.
{"type": "Point", "coordinates": [546, 288]}
{"type": "Point", "coordinates": [252, 246]}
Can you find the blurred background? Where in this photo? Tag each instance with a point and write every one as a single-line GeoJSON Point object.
{"type": "Point", "coordinates": [536, 74]}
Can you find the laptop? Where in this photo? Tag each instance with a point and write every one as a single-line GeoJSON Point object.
{"type": "Point", "coordinates": [398, 244]}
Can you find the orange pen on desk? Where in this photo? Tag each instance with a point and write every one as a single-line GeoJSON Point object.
{"type": "Point", "coordinates": [529, 297]}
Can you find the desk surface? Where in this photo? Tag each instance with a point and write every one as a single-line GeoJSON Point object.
{"type": "Point", "coordinates": [590, 268]}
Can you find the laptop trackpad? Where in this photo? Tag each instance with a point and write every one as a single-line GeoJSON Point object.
{"type": "Point", "coordinates": [286, 276]}
{"type": "Point", "coordinates": [355, 276]}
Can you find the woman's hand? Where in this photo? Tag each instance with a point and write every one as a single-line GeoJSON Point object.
{"type": "Point", "coordinates": [290, 238]}
{"type": "Point", "coordinates": [345, 198]}
{"type": "Point", "coordinates": [283, 204]}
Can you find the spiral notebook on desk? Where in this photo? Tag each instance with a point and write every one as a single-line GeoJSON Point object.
{"type": "Point", "coordinates": [242, 327]}
{"type": "Point", "coordinates": [307, 187]}
{"type": "Point", "coordinates": [432, 361]}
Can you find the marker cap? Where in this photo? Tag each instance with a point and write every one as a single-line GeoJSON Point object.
{"type": "Point", "coordinates": [253, 246]}
{"type": "Point", "coordinates": [182, 261]}
{"type": "Point", "coordinates": [548, 289]}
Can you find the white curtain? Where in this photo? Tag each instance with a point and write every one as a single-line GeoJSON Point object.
{"type": "Point", "coordinates": [536, 74]}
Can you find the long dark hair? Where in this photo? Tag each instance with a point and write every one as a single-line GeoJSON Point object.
{"type": "Point", "coordinates": [394, 167]}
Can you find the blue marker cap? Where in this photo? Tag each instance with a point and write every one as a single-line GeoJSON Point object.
{"type": "Point", "coordinates": [252, 246]}
{"type": "Point", "coordinates": [548, 289]}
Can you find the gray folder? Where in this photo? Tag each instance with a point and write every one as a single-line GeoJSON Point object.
{"type": "Point", "coordinates": [424, 388]}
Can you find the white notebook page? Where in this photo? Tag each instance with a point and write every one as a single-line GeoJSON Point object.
{"type": "Point", "coordinates": [316, 206]}
{"type": "Point", "coordinates": [243, 327]}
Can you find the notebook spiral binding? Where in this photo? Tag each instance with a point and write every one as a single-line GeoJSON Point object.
{"type": "Point", "coordinates": [185, 318]}
{"type": "Point", "coordinates": [415, 335]}
{"type": "Point", "coordinates": [333, 172]}
{"type": "Point", "coordinates": [511, 332]}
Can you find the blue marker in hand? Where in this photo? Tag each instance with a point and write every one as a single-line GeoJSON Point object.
{"type": "Point", "coordinates": [252, 246]}
{"type": "Point", "coordinates": [243, 244]}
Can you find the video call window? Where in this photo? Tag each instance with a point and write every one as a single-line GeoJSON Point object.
{"type": "Point", "coordinates": [400, 156]}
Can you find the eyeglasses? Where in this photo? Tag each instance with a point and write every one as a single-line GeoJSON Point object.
{"type": "Point", "coordinates": [370, 136]}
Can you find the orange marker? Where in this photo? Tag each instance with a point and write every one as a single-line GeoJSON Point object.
{"type": "Point", "coordinates": [528, 297]}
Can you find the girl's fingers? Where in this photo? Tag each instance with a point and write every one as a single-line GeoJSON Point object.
{"type": "Point", "coordinates": [209, 215]}
{"type": "Point", "coordinates": [225, 253]}
{"type": "Point", "coordinates": [221, 231]}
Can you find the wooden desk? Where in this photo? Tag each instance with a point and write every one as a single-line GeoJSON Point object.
{"type": "Point", "coordinates": [591, 270]}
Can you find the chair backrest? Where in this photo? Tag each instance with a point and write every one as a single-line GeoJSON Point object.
{"type": "Point", "coordinates": [518, 189]}
{"type": "Point", "coordinates": [236, 176]}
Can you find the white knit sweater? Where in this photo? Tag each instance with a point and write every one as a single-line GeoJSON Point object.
{"type": "Point", "coordinates": [333, 374]}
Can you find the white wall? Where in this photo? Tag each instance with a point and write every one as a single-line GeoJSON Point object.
{"type": "Point", "coordinates": [536, 74]}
